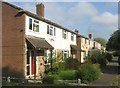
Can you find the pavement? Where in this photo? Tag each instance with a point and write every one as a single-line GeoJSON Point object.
{"type": "Point", "coordinates": [108, 74]}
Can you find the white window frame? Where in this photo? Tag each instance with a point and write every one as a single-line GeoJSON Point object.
{"type": "Point", "coordinates": [65, 52]}
{"type": "Point", "coordinates": [30, 24]}
{"type": "Point", "coordinates": [35, 24]}
{"type": "Point", "coordinates": [72, 37]}
{"type": "Point", "coordinates": [51, 30]}
{"type": "Point", "coordinates": [64, 34]}
{"type": "Point", "coordinates": [30, 72]}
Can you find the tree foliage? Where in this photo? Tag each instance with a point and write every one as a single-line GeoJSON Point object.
{"type": "Point", "coordinates": [114, 41]}
{"type": "Point", "coordinates": [101, 41]}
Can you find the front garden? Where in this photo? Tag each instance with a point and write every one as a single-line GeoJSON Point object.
{"type": "Point", "coordinates": [71, 72]}
{"type": "Point", "coordinates": [71, 69]}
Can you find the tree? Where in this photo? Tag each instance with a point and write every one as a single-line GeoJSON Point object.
{"type": "Point", "coordinates": [114, 41]}
{"type": "Point", "coordinates": [101, 41]}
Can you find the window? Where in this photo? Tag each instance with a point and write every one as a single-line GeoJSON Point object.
{"type": "Point", "coordinates": [94, 44]}
{"type": "Point", "coordinates": [64, 34]}
{"type": "Point", "coordinates": [84, 55]}
{"type": "Point", "coordinates": [51, 30]}
{"type": "Point", "coordinates": [72, 37]}
{"type": "Point", "coordinates": [85, 40]}
{"type": "Point", "coordinates": [29, 55]}
{"type": "Point", "coordinates": [48, 29]}
{"type": "Point", "coordinates": [30, 23]}
{"type": "Point", "coordinates": [40, 52]}
{"type": "Point", "coordinates": [54, 32]}
{"type": "Point", "coordinates": [89, 42]}
{"type": "Point", "coordinates": [65, 55]}
{"type": "Point", "coordinates": [36, 26]}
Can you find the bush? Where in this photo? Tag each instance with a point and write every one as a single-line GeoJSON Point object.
{"type": "Point", "coordinates": [61, 66]}
{"type": "Point", "coordinates": [71, 63]}
{"type": "Point", "coordinates": [48, 80]}
{"type": "Point", "coordinates": [68, 75]}
{"type": "Point", "coordinates": [97, 56]}
{"type": "Point", "coordinates": [119, 60]}
{"type": "Point", "coordinates": [108, 56]}
{"type": "Point", "coordinates": [88, 72]}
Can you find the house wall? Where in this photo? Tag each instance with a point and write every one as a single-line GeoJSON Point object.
{"type": "Point", "coordinates": [78, 55]}
{"type": "Point", "coordinates": [97, 45]}
{"type": "Point", "coordinates": [57, 41]}
{"type": "Point", "coordinates": [13, 42]}
{"type": "Point", "coordinates": [84, 48]}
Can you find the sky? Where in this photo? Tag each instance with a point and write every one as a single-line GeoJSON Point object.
{"type": "Point", "coordinates": [87, 16]}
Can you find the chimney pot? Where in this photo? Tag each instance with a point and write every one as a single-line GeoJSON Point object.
{"type": "Point", "coordinates": [90, 36]}
{"type": "Point", "coordinates": [77, 31]}
{"type": "Point", "coordinates": [40, 10]}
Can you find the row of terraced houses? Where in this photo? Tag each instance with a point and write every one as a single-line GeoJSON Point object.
{"type": "Point", "coordinates": [28, 41]}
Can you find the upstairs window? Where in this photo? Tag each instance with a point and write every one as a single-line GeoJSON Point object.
{"type": "Point", "coordinates": [51, 30]}
{"type": "Point", "coordinates": [36, 26]}
{"type": "Point", "coordinates": [72, 37]}
{"type": "Point", "coordinates": [64, 34]}
{"type": "Point", "coordinates": [33, 25]}
{"type": "Point", "coordinates": [89, 42]}
{"type": "Point", "coordinates": [30, 23]}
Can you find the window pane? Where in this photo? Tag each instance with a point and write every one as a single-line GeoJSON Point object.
{"type": "Point", "coordinates": [54, 32]}
{"type": "Point", "coordinates": [72, 37]}
{"type": "Point", "coordinates": [30, 23]}
{"type": "Point", "coordinates": [28, 57]}
{"type": "Point", "coordinates": [36, 27]}
{"type": "Point", "coordinates": [51, 32]}
{"type": "Point", "coordinates": [48, 29]}
{"type": "Point", "coordinates": [28, 70]}
{"type": "Point", "coordinates": [40, 52]}
{"type": "Point", "coordinates": [36, 21]}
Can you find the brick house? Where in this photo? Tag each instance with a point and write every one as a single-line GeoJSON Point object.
{"type": "Point", "coordinates": [29, 40]}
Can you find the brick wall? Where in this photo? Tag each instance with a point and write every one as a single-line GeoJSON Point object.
{"type": "Point", "coordinates": [13, 42]}
{"type": "Point", "coordinates": [78, 54]}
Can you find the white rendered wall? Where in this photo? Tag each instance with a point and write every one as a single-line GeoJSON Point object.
{"type": "Point", "coordinates": [58, 43]}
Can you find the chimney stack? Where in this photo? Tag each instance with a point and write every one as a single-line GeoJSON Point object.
{"type": "Point", "coordinates": [76, 31]}
{"type": "Point", "coordinates": [90, 36]}
{"type": "Point", "coordinates": [40, 10]}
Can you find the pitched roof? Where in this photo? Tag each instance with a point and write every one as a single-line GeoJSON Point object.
{"type": "Point", "coordinates": [38, 17]}
{"type": "Point", "coordinates": [38, 43]}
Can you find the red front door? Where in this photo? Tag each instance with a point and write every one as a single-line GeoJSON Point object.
{"type": "Point", "coordinates": [32, 65]}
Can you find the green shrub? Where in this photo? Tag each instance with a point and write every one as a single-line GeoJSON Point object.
{"type": "Point", "coordinates": [88, 72]}
{"type": "Point", "coordinates": [61, 66]}
{"type": "Point", "coordinates": [97, 56]}
{"type": "Point", "coordinates": [55, 76]}
{"type": "Point", "coordinates": [119, 60]}
{"type": "Point", "coordinates": [71, 63]}
{"type": "Point", "coordinates": [48, 80]}
{"type": "Point", "coordinates": [68, 74]}
{"type": "Point", "coordinates": [108, 56]}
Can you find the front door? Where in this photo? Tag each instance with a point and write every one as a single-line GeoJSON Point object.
{"type": "Point", "coordinates": [30, 63]}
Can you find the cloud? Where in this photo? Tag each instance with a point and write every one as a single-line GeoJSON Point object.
{"type": "Point", "coordinates": [82, 9]}
{"type": "Point", "coordinates": [71, 16]}
{"type": "Point", "coordinates": [79, 15]}
{"type": "Point", "coordinates": [107, 20]}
